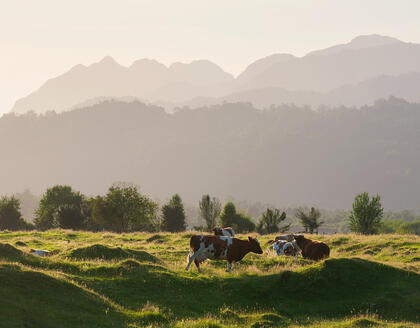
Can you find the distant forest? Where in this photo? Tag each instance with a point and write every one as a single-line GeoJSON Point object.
{"type": "Point", "coordinates": [286, 155]}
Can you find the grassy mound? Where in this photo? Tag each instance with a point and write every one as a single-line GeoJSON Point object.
{"type": "Point", "coordinates": [107, 253]}
{"type": "Point", "coordinates": [10, 253]}
{"type": "Point", "coordinates": [33, 299]}
{"type": "Point", "coordinates": [125, 284]}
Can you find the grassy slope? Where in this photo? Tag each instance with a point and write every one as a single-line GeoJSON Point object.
{"type": "Point", "coordinates": [101, 280]}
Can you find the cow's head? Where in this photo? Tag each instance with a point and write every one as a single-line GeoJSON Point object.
{"type": "Point", "coordinates": [299, 237]}
{"type": "Point", "coordinates": [255, 245]}
{"type": "Point", "coordinates": [217, 231]}
{"type": "Point", "coordinates": [289, 250]}
{"type": "Point", "coordinates": [299, 240]}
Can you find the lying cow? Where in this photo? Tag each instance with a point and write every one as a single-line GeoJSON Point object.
{"type": "Point", "coordinates": [290, 237]}
{"type": "Point", "coordinates": [312, 249]}
{"type": "Point", "coordinates": [228, 232]}
{"type": "Point", "coordinates": [283, 247]}
{"type": "Point", "coordinates": [220, 248]}
{"type": "Point", "coordinates": [286, 238]}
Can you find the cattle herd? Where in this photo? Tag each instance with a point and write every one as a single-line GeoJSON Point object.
{"type": "Point", "coordinates": [224, 246]}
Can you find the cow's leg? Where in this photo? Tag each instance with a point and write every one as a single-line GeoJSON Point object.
{"type": "Point", "coordinates": [229, 267]}
{"type": "Point", "coordinates": [192, 255]}
{"type": "Point", "coordinates": [197, 264]}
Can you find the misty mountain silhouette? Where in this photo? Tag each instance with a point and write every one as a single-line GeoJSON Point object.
{"type": "Point", "coordinates": [145, 79]}
{"type": "Point", "coordinates": [403, 86]}
{"type": "Point", "coordinates": [357, 73]}
{"type": "Point", "coordinates": [287, 155]}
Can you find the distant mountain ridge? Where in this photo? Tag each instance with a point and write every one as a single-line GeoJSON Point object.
{"type": "Point", "coordinates": [353, 74]}
{"type": "Point", "coordinates": [287, 155]}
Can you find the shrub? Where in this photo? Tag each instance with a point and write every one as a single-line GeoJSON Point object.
{"type": "Point", "coordinates": [123, 209]}
{"type": "Point", "coordinates": [60, 207]}
{"type": "Point", "coordinates": [238, 221]}
{"type": "Point", "coordinates": [310, 221]}
{"type": "Point", "coordinates": [366, 215]}
{"type": "Point", "coordinates": [10, 216]}
{"type": "Point", "coordinates": [270, 221]}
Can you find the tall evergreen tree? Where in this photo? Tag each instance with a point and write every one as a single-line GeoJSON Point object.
{"type": "Point", "coordinates": [173, 215]}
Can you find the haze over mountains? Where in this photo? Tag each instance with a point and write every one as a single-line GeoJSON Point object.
{"type": "Point", "coordinates": [352, 74]}
{"type": "Point", "coordinates": [286, 155]}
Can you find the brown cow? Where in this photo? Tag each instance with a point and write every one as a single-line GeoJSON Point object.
{"type": "Point", "coordinates": [312, 249]}
{"type": "Point", "coordinates": [228, 232]}
{"type": "Point", "coordinates": [220, 248]}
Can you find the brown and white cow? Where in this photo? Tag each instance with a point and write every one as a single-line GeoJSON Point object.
{"type": "Point", "coordinates": [312, 249]}
{"type": "Point", "coordinates": [283, 247]}
{"type": "Point", "coordinates": [281, 240]}
{"type": "Point", "coordinates": [228, 232]}
{"type": "Point", "coordinates": [220, 248]}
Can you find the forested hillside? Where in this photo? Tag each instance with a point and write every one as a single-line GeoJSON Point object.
{"type": "Point", "coordinates": [286, 155]}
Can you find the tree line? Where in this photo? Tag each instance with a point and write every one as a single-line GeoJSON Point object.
{"type": "Point", "coordinates": [124, 209]}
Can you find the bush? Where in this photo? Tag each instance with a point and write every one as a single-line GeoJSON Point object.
{"type": "Point", "coordinates": [238, 221]}
{"type": "Point", "coordinates": [123, 209]}
{"type": "Point", "coordinates": [310, 221]}
{"type": "Point", "coordinates": [10, 216]}
{"type": "Point", "coordinates": [270, 221]}
{"type": "Point", "coordinates": [60, 207]}
{"type": "Point", "coordinates": [366, 215]}
{"type": "Point", "coordinates": [411, 227]}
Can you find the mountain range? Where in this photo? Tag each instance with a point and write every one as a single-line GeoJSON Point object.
{"type": "Point", "coordinates": [353, 74]}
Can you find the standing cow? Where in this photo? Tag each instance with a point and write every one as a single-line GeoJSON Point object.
{"type": "Point", "coordinates": [220, 248]}
{"type": "Point", "coordinates": [312, 249]}
{"type": "Point", "coordinates": [228, 232]}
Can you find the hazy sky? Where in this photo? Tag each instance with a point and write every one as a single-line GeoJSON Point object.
{"type": "Point", "coordinates": [42, 39]}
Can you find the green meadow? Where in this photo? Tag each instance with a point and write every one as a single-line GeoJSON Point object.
{"type": "Point", "coordinates": [138, 280]}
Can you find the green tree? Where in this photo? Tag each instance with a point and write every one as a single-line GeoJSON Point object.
{"type": "Point", "coordinates": [123, 209]}
{"type": "Point", "coordinates": [209, 209]}
{"type": "Point", "coordinates": [60, 207]}
{"type": "Point", "coordinates": [270, 221]}
{"type": "Point", "coordinates": [10, 216]}
{"type": "Point", "coordinates": [366, 215]}
{"type": "Point", "coordinates": [310, 221]}
{"type": "Point", "coordinates": [238, 221]}
{"type": "Point", "coordinates": [173, 215]}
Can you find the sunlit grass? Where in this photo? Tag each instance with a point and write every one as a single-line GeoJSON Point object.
{"type": "Point", "coordinates": [139, 279]}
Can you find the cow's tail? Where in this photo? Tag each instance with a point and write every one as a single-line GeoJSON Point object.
{"type": "Point", "coordinates": [269, 242]}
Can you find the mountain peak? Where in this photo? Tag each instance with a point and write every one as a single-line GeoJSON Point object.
{"type": "Point", "coordinates": [359, 42]}
{"type": "Point", "coordinates": [373, 40]}
{"type": "Point", "coordinates": [262, 64]}
{"type": "Point", "coordinates": [108, 61]}
{"type": "Point", "coordinates": [140, 63]}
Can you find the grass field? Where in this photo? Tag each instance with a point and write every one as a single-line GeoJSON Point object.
{"type": "Point", "coordinates": [138, 279]}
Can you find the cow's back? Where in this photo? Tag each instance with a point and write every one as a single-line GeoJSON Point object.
{"type": "Point", "coordinates": [316, 251]}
